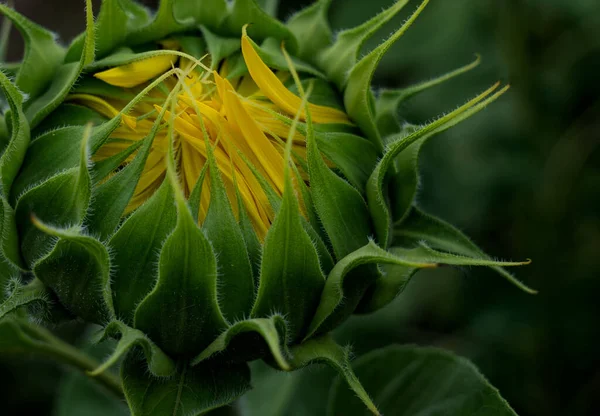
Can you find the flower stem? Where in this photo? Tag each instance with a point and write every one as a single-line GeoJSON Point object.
{"type": "Point", "coordinates": [54, 347]}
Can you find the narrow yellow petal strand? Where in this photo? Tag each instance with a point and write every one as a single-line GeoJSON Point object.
{"type": "Point", "coordinates": [245, 120]}
{"type": "Point", "coordinates": [273, 88]}
{"type": "Point", "coordinates": [136, 73]}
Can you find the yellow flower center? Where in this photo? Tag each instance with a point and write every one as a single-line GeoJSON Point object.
{"type": "Point", "coordinates": [247, 120]}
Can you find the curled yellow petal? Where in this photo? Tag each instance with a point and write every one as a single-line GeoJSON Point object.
{"type": "Point", "coordinates": [136, 73]}
{"type": "Point", "coordinates": [274, 90]}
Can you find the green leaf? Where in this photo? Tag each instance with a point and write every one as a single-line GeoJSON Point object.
{"type": "Point", "coordinates": [375, 186]}
{"type": "Point", "coordinates": [343, 54]}
{"type": "Point", "coordinates": [420, 227]}
{"type": "Point", "coordinates": [116, 20]}
{"type": "Point", "coordinates": [253, 244]}
{"type": "Point", "coordinates": [409, 380]}
{"type": "Point", "coordinates": [52, 153]}
{"type": "Point", "coordinates": [311, 28]}
{"type": "Point", "coordinates": [78, 271]}
{"type": "Point", "coordinates": [9, 239]}
{"type": "Point", "coordinates": [182, 313]}
{"type": "Point", "coordinates": [325, 350]}
{"type": "Point", "coordinates": [136, 247]}
{"type": "Point", "coordinates": [21, 296]}
{"type": "Point", "coordinates": [388, 101]}
{"type": "Point", "coordinates": [192, 391]}
{"type": "Point", "coordinates": [158, 363]}
{"type": "Point", "coordinates": [291, 279]}
{"type": "Point", "coordinates": [110, 199]}
{"type": "Point", "coordinates": [64, 78]}
{"type": "Point", "coordinates": [61, 201]}
{"type": "Point", "coordinates": [41, 57]}
{"type": "Point", "coordinates": [163, 25]}
{"type": "Point", "coordinates": [79, 395]}
{"type": "Point", "coordinates": [235, 281]}
{"type": "Point", "coordinates": [11, 159]}
{"type": "Point", "coordinates": [358, 98]}
{"type": "Point", "coordinates": [16, 339]}
{"type": "Point", "coordinates": [210, 13]}
{"type": "Point", "coordinates": [271, 330]}
{"type": "Point", "coordinates": [261, 25]}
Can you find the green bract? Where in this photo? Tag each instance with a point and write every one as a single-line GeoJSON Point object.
{"type": "Point", "coordinates": [202, 299]}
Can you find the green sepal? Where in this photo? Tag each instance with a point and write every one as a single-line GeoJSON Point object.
{"type": "Point", "coordinates": [291, 279]}
{"type": "Point", "coordinates": [62, 201]}
{"type": "Point", "coordinates": [341, 209]}
{"type": "Point", "coordinates": [13, 155]}
{"type": "Point", "coordinates": [182, 313]}
{"type": "Point", "coordinates": [269, 6]}
{"type": "Point", "coordinates": [192, 391]}
{"type": "Point", "coordinates": [136, 246]}
{"type": "Point", "coordinates": [419, 227]}
{"type": "Point", "coordinates": [219, 47]}
{"type": "Point", "coordinates": [192, 45]}
{"type": "Point", "coordinates": [387, 288]}
{"type": "Point", "coordinates": [159, 364]}
{"type": "Point", "coordinates": [311, 28]}
{"type": "Point", "coordinates": [95, 86]}
{"type": "Point", "coordinates": [9, 239]}
{"type": "Point", "coordinates": [52, 153]}
{"type": "Point", "coordinates": [378, 203]}
{"type": "Point", "coordinates": [253, 244]}
{"type": "Point", "coordinates": [103, 168]}
{"type": "Point", "coordinates": [210, 13]}
{"type": "Point", "coordinates": [162, 25]}
{"type": "Point", "coordinates": [41, 57]}
{"type": "Point", "coordinates": [272, 332]}
{"type": "Point", "coordinates": [326, 351]}
{"type": "Point", "coordinates": [110, 199]}
{"type": "Point", "coordinates": [68, 114]}
{"type": "Point", "coordinates": [196, 194]}
{"type": "Point", "coordinates": [341, 284]}
{"type": "Point", "coordinates": [116, 20]}
{"type": "Point", "coordinates": [235, 281]}
{"type": "Point", "coordinates": [388, 101]}
{"type": "Point", "coordinates": [344, 150]}
{"type": "Point", "coordinates": [33, 294]}
{"type": "Point", "coordinates": [261, 25]}
{"type": "Point", "coordinates": [411, 380]}
{"type": "Point", "coordinates": [358, 97]}
{"type": "Point", "coordinates": [270, 53]}
{"type": "Point", "coordinates": [124, 56]}
{"type": "Point", "coordinates": [78, 271]}
{"type": "Point", "coordinates": [343, 54]}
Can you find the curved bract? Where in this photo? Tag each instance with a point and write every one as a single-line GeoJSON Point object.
{"type": "Point", "coordinates": [212, 186]}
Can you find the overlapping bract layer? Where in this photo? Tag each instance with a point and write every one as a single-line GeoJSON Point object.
{"type": "Point", "coordinates": [266, 258]}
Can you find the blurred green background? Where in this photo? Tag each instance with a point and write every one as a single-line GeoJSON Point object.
{"type": "Point", "coordinates": [521, 178]}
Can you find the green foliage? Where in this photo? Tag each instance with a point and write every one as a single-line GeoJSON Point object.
{"type": "Point", "coordinates": [412, 380]}
{"type": "Point", "coordinates": [201, 300]}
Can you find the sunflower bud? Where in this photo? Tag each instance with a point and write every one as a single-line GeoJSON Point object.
{"type": "Point", "coordinates": [215, 191]}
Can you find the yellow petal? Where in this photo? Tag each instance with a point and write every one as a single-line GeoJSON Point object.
{"type": "Point", "coordinates": [273, 88]}
{"type": "Point", "coordinates": [138, 72]}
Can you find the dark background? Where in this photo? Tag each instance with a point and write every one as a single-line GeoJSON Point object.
{"type": "Point", "coordinates": [521, 178]}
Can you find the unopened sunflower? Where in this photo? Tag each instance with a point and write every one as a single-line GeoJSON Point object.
{"type": "Point", "coordinates": [212, 186]}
